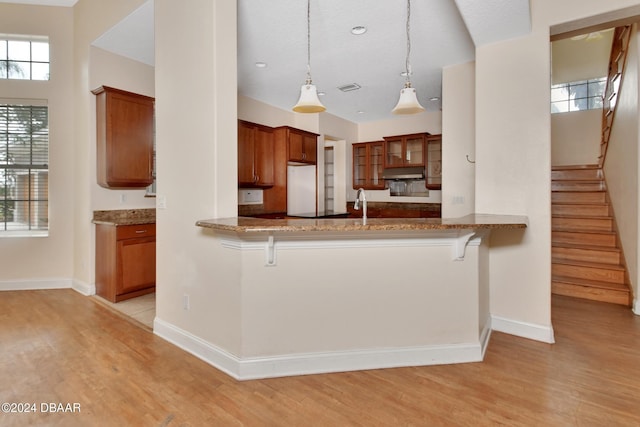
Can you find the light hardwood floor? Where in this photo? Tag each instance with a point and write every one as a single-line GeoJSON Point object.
{"type": "Point", "coordinates": [61, 347]}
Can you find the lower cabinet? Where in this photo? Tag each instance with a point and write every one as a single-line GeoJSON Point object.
{"type": "Point", "coordinates": [125, 260]}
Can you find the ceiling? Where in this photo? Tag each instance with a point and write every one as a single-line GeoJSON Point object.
{"type": "Point", "coordinates": [274, 32]}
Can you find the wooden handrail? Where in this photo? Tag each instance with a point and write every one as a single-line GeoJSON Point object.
{"type": "Point", "coordinates": [617, 62]}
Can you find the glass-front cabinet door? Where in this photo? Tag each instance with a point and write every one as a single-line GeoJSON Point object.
{"type": "Point", "coordinates": [368, 164]}
{"type": "Point", "coordinates": [394, 152]}
{"type": "Point", "coordinates": [433, 179]}
{"type": "Point", "coordinates": [414, 151]}
{"type": "Point", "coordinates": [404, 150]}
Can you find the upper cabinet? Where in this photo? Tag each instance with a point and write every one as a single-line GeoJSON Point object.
{"type": "Point", "coordinates": [255, 155]}
{"type": "Point", "coordinates": [301, 145]}
{"type": "Point", "coordinates": [433, 175]}
{"type": "Point", "coordinates": [404, 150]}
{"type": "Point", "coordinates": [368, 165]}
{"type": "Point", "coordinates": [125, 133]}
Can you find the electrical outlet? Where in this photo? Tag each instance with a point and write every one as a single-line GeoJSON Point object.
{"type": "Point", "coordinates": [161, 201]}
{"type": "Point", "coordinates": [123, 198]}
{"type": "Point", "coordinates": [185, 302]}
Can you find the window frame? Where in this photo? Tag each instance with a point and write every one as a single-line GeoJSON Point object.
{"type": "Point", "coordinates": [36, 168]}
{"type": "Point", "coordinates": [593, 101]}
{"type": "Point", "coordinates": [6, 61]}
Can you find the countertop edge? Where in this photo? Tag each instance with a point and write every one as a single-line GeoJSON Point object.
{"type": "Point", "coordinates": [260, 225]}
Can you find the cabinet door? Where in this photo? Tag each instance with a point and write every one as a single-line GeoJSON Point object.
{"type": "Point", "coordinates": [246, 139]}
{"type": "Point", "coordinates": [136, 264]}
{"type": "Point", "coordinates": [433, 179]}
{"type": "Point", "coordinates": [125, 133]}
{"type": "Point", "coordinates": [310, 148]}
{"type": "Point", "coordinates": [394, 153]}
{"type": "Point", "coordinates": [376, 165]}
{"type": "Point", "coordinates": [264, 157]}
{"type": "Point", "coordinates": [368, 164]}
{"type": "Point", "coordinates": [360, 165]}
{"type": "Point", "coordinates": [414, 151]}
{"type": "Point", "coordinates": [296, 145]}
{"type": "Point", "coordinates": [302, 147]}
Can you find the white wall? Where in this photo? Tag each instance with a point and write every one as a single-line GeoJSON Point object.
{"type": "Point", "coordinates": [52, 256]}
{"type": "Point", "coordinates": [575, 137]}
{"type": "Point", "coordinates": [621, 164]}
{"type": "Point", "coordinates": [91, 19]}
{"type": "Point", "coordinates": [108, 69]}
{"type": "Point", "coordinates": [513, 156]}
{"type": "Point", "coordinates": [575, 60]}
{"type": "Point", "coordinates": [196, 138]}
{"type": "Point", "coordinates": [458, 140]}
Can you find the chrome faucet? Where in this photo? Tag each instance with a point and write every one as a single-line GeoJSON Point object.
{"type": "Point", "coordinates": [360, 196]}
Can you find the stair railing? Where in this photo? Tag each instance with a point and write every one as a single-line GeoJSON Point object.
{"type": "Point", "coordinates": [617, 62]}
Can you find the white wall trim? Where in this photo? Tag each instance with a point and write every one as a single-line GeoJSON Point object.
{"type": "Point", "coordinates": [316, 363]}
{"type": "Point", "coordinates": [83, 288]}
{"type": "Point", "coordinates": [35, 284]}
{"type": "Point", "coordinates": [523, 329]}
{"type": "Point", "coordinates": [636, 306]}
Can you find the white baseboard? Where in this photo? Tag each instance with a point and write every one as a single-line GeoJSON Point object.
{"type": "Point", "coordinates": [523, 329]}
{"type": "Point", "coordinates": [25, 285]}
{"type": "Point", "coordinates": [636, 306]}
{"type": "Point", "coordinates": [83, 288]}
{"type": "Point", "coordinates": [317, 363]}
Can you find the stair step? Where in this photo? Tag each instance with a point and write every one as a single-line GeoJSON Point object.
{"type": "Point", "coordinates": [591, 290]}
{"type": "Point", "coordinates": [588, 270]}
{"type": "Point", "coordinates": [567, 223]}
{"type": "Point", "coordinates": [605, 255]}
{"type": "Point", "coordinates": [580, 209]}
{"type": "Point", "coordinates": [576, 174]}
{"type": "Point", "coordinates": [602, 238]}
{"type": "Point", "coordinates": [580, 185]}
{"type": "Point", "coordinates": [579, 197]}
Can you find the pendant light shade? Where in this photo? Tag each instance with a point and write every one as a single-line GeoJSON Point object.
{"type": "Point", "coordinates": [408, 102]}
{"type": "Point", "coordinates": [308, 102]}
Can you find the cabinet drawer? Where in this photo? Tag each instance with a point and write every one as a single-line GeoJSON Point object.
{"type": "Point", "coordinates": [133, 231]}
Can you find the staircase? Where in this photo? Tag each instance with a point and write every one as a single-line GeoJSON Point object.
{"type": "Point", "coordinates": [586, 259]}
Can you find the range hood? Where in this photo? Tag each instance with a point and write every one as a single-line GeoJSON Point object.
{"type": "Point", "coordinates": [403, 173]}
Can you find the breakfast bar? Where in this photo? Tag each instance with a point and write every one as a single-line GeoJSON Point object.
{"type": "Point", "coordinates": [340, 294]}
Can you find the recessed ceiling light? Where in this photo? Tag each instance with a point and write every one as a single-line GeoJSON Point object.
{"type": "Point", "coordinates": [360, 112]}
{"type": "Point", "coordinates": [261, 64]}
{"type": "Point", "coordinates": [434, 98]}
{"type": "Point", "coordinates": [321, 93]}
{"type": "Point", "coordinates": [358, 30]}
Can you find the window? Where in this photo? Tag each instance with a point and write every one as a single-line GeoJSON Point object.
{"type": "Point", "coordinates": [24, 57]}
{"type": "Point", "coordinates": [578, 96]}
{"type": "Point", "coordinates": [24, 169]}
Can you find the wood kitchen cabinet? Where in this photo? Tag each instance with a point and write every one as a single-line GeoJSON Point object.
{"type": "Point", "coordinates": [125, 133]}
{"type": "Point", "coordinates": [404, 150]}
{"type": "Point", "coordinates": [433, 170]}
{"type": "Point", "coordinates": [302, 146]}
{"type": "Point", "coordinates": [255, 155]}
{"type": "Point", "coordinates": [368, 165]}
{"type": "Point", "coordinates": [125, 260]}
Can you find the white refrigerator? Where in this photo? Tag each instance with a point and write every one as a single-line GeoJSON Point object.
{"type": "Point", "coordinates": [301, 189]}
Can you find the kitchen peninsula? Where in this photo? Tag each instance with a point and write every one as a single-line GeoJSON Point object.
{"type": "Point", "coordinates": [329, 295]}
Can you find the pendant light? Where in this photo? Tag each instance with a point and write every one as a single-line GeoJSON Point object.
{"type": "Point", "coordinates": [408, 102]}
{"type": "Point", "coordinates": [308, 102]}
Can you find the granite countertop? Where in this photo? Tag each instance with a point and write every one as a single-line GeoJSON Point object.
{"type": "Point", "coordinates": [125, 217]}
{"type": "Point", "coordinates": [257, 225]}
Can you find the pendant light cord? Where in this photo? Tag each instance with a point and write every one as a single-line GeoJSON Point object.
{"type": "Point", "coordinates": [406, 63]}
{"type": "Point", "coordinates": [308, 42]}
